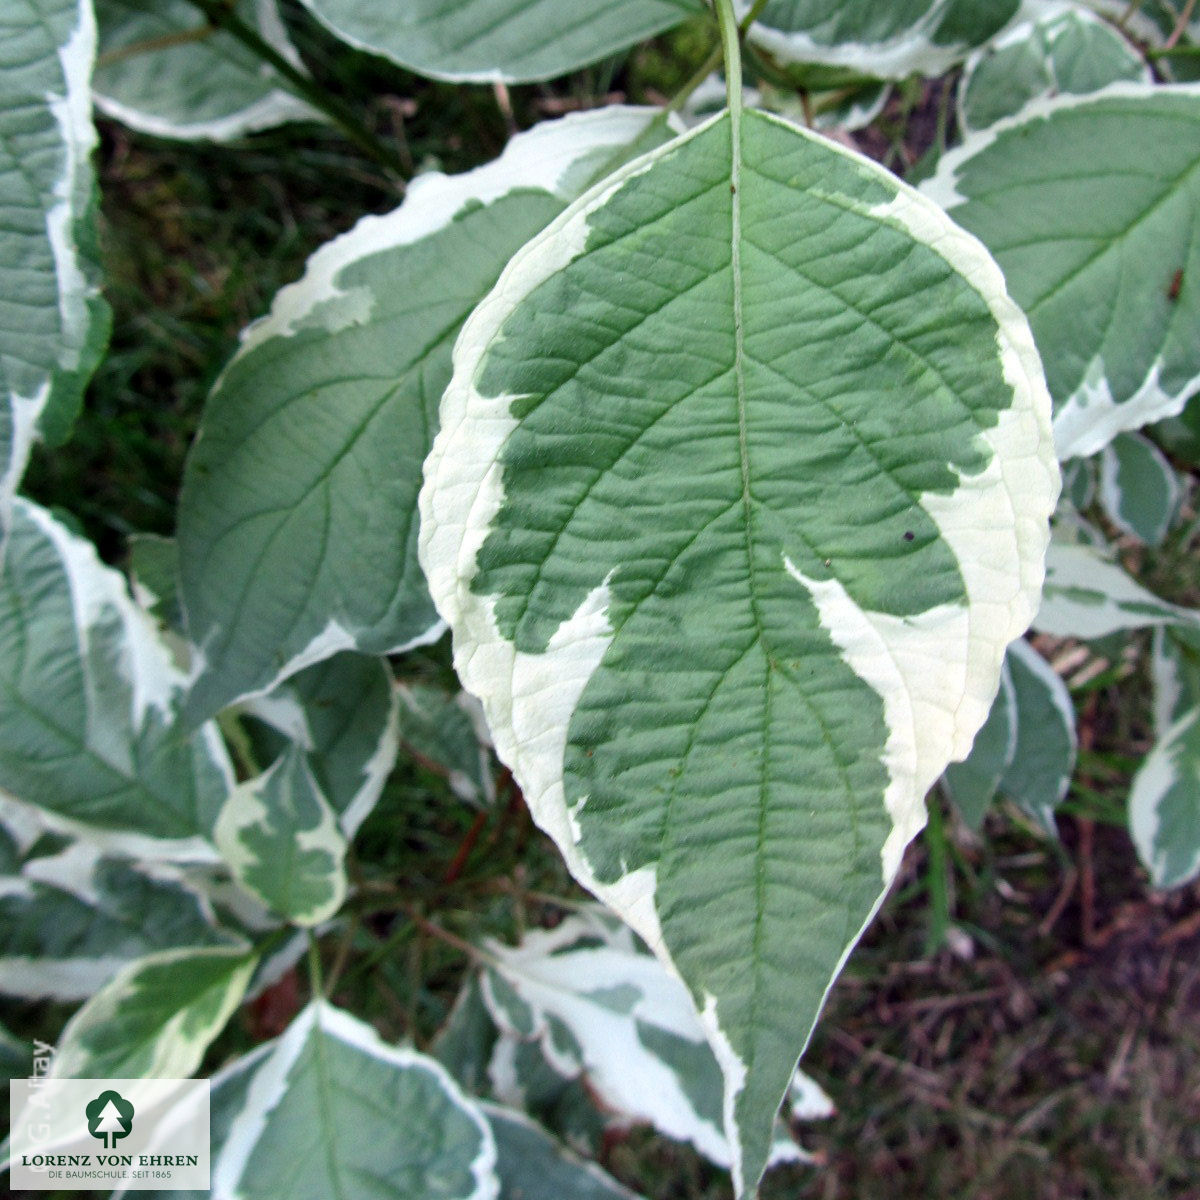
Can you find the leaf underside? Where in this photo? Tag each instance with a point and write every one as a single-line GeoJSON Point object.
{"type": "Point", "coordinates": [488, 40]}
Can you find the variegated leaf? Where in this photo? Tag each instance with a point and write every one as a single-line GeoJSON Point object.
{"type": "Point", "coordinates": [1088, 596]}
{"type": "Point", "coordinates": [1139, 488]}
{"type": "Point", "coordinates": [156, 1017]}
{"type": "Point", "coordinates": [1039, 773]}
{"type": "Point", "coordinates": [447, 733]}
{"type": "Point", "coordinates": [53, 324]}
{"type": "Point", "coordinates": [531, 1165]}
{"type": "Point", "coordinates": [227, 1099]}
{"type": "Point", "coordinates": [343, 713]}
{"type": "Point", "coordinates": [1164, 805]}
{"type": "Point", "coordinates": [163, 69]}
{"type": "Point", "coordinates": [1175, 673]}
{"type": "Point", "coordinates": [972, 784]}
{"type": "Point", "coordinates": [70, 921]}
{"type": "Point", "coordinates": [1089, 205]}
{"type": "Point", "coordinates": [309, 457]}
{"type": "Point", "coordinates": [889, 41]}
{"type": "Point", "coordinates": [585, 1000]}
{"type": "Point", "coordinates": [89, 703]}
{"type": "Point", "coordinates": [483, 41]}
{"type": "Point", "coordinates": [335, 1110]}
{"type": "Point", "coordinates": [154, 576]}
{"type": "Point", "coordinates": [741, 491]}
{"type": "Point", "coordinates": [1065, 50]}
{"type": "Point", "coordinates": [281, 839]}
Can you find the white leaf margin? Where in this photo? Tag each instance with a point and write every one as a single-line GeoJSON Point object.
{"type": "Point", "coordinates": [149, 669]}
{"type": "Point", "coordinates": [1060, 701]}
{"type": "Point", "coordinates": [1162, 770]}
{"type": "Point", "coordinates": [175, 1056]}
{"type": "Point", "coordinates": [285, 714]}
{"type": "Point", "coordinates": [912, 51]}
{"type": "Point", "coordinates": [542, 157]}
{"type": "Point", "coordinates": [1112, 496]}
{"type": "Point", "coordinates": [501, 1112]}
{"type": "Point", "coordinates": [492, 75]}
{"type": "Point", "coordinates": [72, 112]}
{"type": "Point", "coordinates": [627, 1076]}
{"type": "Point", "coordinates": [247, 809]}
{"type": "Point", "coordinates": [529, 698]}
{"type": "Point", "coordinates": [73, 871]}
{"type": "Point", "coordinates": [1090, 417]}
{"type": "Point", "coordinates": [1039, 13]}
{"type": "Point", "coordinates": [166, 1129]}
{"type": "Point", "coordinates": [269, 1087]}
{"type": "Point", "coordinates": [277, 107]}
{"type": "Point", "coordinates": [1118, 602]}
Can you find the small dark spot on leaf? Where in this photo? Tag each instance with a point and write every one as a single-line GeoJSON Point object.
{"type": "Point", "coordinates": [909, 535]}
{"type": "Point", "coordinates": [1176, 286]}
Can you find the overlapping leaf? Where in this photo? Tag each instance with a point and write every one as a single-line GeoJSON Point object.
{"type": "Point", "coordinates": [1139, 488]}
{"type": "Point", "coordinates": [1065, 51]}
{"type": "Point", "coordinates": [1044, 755]}
{"type": "Point", "coordinates": [297, 523]}
{"type": "Point", "coordinates": [88, 703]}
{"type": "Point", "coordinates": [531, 1165]}
{"type": "Point", "coordinates": [1088, 596]}
{"type": "Point", "coordinates": [157, 1016]}
{"type": "Point", "coordinates": [741, 492]}
{"type": "Point", "coordinates": [1090, 205]}
{"type": "Point", "coordinates": [69, 922]}
{"type": "Point", "coordinates": [1164, 805]}
{"type": "Point", "coordinates": [281, 839]}
{"type": "Point", "coordinates": [491, 40]}
{"type": "Point", "coordinates": [340, 1114]}
{"type": "Point", "coordinates": [164, 70]}
{"type": "Point", "coordinates": [343, 714]}
{"type": "Point", "coordinates": [585, 1001]}
{"type": "Point", "coordinates": [447, 734]}
{"type": "Point", "coordinates": [887, 40]}
{"type": "Point", "coordinates": [973, 783]}
{"type": "Point", "coordinates": [53, 324]}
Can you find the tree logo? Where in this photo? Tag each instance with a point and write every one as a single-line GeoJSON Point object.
{"type": "Point", "coordinates": [109, 1117]}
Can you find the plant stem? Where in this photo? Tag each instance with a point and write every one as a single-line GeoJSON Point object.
{"type": "Point", "coordinates": [731, 46]}
{"type": "Point", "coordinates": [710, 64]}
{"type": "Point", "coordinates": [314, 967]}
{"type": "Point", "coordinates": [1180, 25]}
{"type": "Point", "coordinates": [1173, 51]}
{"type": "Point", "coordinates": [939, 896]}
{"type": "Point", "coordinates": [222, 16]}
{"type": "Point", "coordinates": [1133, 7]}
{"type": "Point", "coordinates": [751, 16]}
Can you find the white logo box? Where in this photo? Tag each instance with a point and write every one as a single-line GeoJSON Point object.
{"type": "Point", "coordinates": [105, 1134]}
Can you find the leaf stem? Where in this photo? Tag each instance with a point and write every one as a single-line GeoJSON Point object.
{"type": "Point", "coordinates": [316, 986]}
{"type": "Point", "coordinates": [1172, 51]}
{"type": "Point", "coordinates": [221, 16]}
{"type": "Point", "coordinates": [710, 64]}
{"type": "Point", "coordinates": [1180, 25]}
{"type": "Point", "coordinates": [939, 895]}
{"type": "Point", "coordinates": [752, 16]}
{"type": "Point", "coordinates": [731, 47]}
